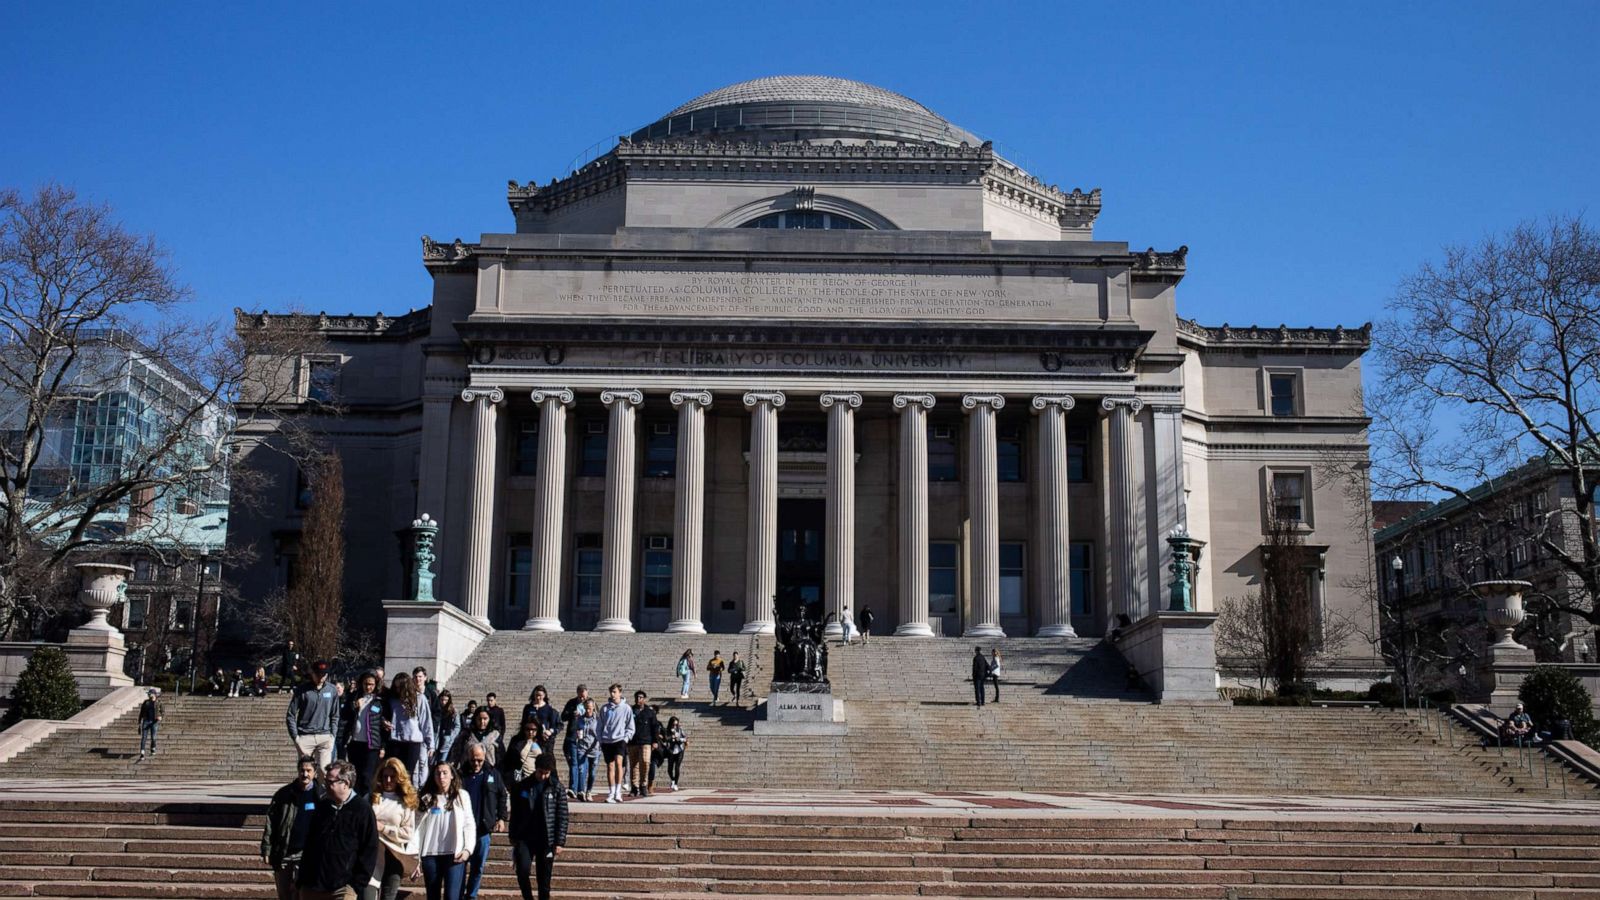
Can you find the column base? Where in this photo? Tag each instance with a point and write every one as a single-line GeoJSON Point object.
{"type": "Point", "coordinates": [686, 626]}
{"type": "Point", "coordinates": [833, 630]}
{"type": "Point", "coordinates": [757, 628]}
{"type": "Point", "coordinates": [984, 631]}
{"type": "Point", "coordinates": [615, 626]}
{"type": "Point", "coordinates": [543, 623]}
{"type": "Point", "coordinates": [914, 629]}
{"type": "Point", "coordinates": [1056, 631]}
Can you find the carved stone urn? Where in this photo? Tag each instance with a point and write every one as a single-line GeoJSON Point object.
{"type": "Point", "coordinates": [1502, 607]}
{"type": "Point", "coordinates": [102, 588]}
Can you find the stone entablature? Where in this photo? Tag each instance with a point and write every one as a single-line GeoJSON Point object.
{"type": "Point", "coordinates": [1225, 336]}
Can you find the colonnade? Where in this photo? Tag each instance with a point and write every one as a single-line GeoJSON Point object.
{"type": "Point", "coordinates": [688, 547]}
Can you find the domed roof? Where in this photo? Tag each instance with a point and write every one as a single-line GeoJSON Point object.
{"type": "Point", "coordinates": [803, 89]}
{"type": "Point", "coordinates": [805, 107]}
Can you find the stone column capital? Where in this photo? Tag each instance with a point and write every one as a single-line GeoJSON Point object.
{"type": "Point", "coordinates": [1062, 401]}
{"type": "Point", "coordinates": [852, 400]}
{"type": "Point", "coordinates": [630, 396]}
{"type": "Point", "coordinates": [493, 395]}
{"type": "Point", "coordinates": [775, 399]}
{"type": "Point", "coordinates": [559, 395]}
{"type": "Point", "coordinates": [901, 401]}
{"type": "Point", "coordinates": [679, 398]}
{"type": "Point", "coordinates": [1131, 404]}
{"type": "Point", "coordinates": [970, 402]}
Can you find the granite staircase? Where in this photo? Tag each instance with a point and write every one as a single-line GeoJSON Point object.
{"type": "Point", "coordinates": [1068, 721]}
{"type": "Point", "coordinates": [200, 851]}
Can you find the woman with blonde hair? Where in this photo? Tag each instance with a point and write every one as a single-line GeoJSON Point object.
{"type": "Point", "coordinates": [394, 806]}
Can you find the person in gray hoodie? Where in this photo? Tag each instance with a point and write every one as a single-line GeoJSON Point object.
{"type": "Point", "coordinates": [313, 717]}
{"type": "Point", "coordinates": [615, 728]}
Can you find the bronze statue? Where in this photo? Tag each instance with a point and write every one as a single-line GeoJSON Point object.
{"type": "Point", "coordinates": [799, 654]}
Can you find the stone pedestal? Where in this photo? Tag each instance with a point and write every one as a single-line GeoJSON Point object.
{"type": "Point", "coordinates": [436, 635]}
{"type": "Point", "coordinates": [801, 710]}
{"type": "Point", "coordinates": [1176, 655]}
{"type": "Point", "coordinates": [1505, 663]}
{"type": "Point", "coordinates": [95, 649]}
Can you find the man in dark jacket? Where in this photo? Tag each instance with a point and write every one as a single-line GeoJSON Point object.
{"type": "Point", "coordinates": [289, 667]}
{"type": "Point", "coordinates": [491, 808]}
{"type": "Point", "coordinates": [341, 841]}
{"type": "Point", "coordinates": [541, 833]}
{"type": "Point", "coordinates": [497, 713]}
{"type": "Point", "coordinates": [288, 821]}
{"type": "Point", "coordinates": [864, 620]}
{"type": "Point", "coordinates": [646, 734]}
{"type": "Point", "coordinates": [980, 673]}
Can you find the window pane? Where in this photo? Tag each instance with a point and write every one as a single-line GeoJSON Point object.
{"type": "Point", "coordinates": [593, 462]}
{"type": "Point", "coordinates": [1009, 455]}
{"type": "Point", "coordinates": [943, 591]}
{"type": "Point", "coordinates": [519, 570]}
{"type": "Point", "coordinates": [1082, 580]}
{"type": "Point", "coordinates": [1013, 594]}
{"type": "Point", "coordinates": [1287, 496]}
{"type": "Point", "coordinates": [943, 458]}
{"type": "Point", "coordinates": [586, 578]}
{"type": "Point", "coordinates": [661, 450]}
{"type": "Point", "coordinates": [525, 454]}
{"type": "Point", "coordinates": [657, 585]}
{"type": "Point", "coordinates": [1282, 394]}
{"type": "Point", "coordinates": [321, 386]}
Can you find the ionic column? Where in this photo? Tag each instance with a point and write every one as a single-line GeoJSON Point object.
{"type": "Point", "coordinates": [761, 538]}
{"type": "Point", "coordinates": [1128, 596]}
{"type": "Point", "coordinates": [1055, 559]}
{"type": "Point", "coordinates": [550, 497]}
{"type": "Point", "coordinates": [841, 556]}
{"type": "Point", "coordinates": [480, 510]}
{"type": "Point", "coordinates": [689, 513]}
{"type": "Point", "coordinates": [983, 505]}
{"type": "Point", "coordinates": [616, 578]}
{"type": "Point", "coordinates": [913, 514]}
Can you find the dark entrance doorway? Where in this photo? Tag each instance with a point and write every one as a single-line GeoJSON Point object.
{"type": "Point", "coordinates": [801, 532]}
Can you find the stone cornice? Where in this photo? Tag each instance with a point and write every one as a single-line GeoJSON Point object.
{"type": "Point", "coordinates": [349, 325]}
{"type": "Point", "coordinates": [1158, 266]}
{"type": "Point", "coordinates": [455, 255]}
{"type": "Point", "coordinates": [1049, 339]}
{"type": "Point", "coordinates": [1226, 337]}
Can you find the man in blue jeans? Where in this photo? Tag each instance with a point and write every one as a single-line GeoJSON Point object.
{"type": "Point", "coordinates": [149, 720]}
{"type": "Point", "coordinates": [491, 807]}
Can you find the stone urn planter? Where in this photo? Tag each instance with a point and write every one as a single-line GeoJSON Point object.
{"type": "Point", "coordinates": [102, 588]}
{"type": "Point", "coordinates": [1502, 607]}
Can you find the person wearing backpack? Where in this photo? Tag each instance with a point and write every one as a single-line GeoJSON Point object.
{"type": "Point", "coordinates": [686, 673]}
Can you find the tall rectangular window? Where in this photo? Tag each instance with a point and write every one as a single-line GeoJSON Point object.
{"type": "Point", "coordinates": [943, 578]}
{"type": "Point", "coordinates": [586, 572]}
{"type": "Point", "coordinates": [1288, 496]}
{"type": "Point", "coordinates": [656, 589]}
{"type": "Point", "coordinates": [1013, 580]}
{"type": "Point", "coordinates": [1077, 454]}
{"type": "Point", "coordinates": [134, 612]}
{"type": "Point", "coordinates": [1009, 453]}
{"type": "Point", "coordinates": [1081, 573]}
{"type": "Point", "coordinates": [592, 458]}
{"type": "Point", "coordinates": [519, 569]}
{"type": "Point", "coordinates": [1284, 388]}
{"type": "Point", "coordinates": [525, 448]}
{"type": "Point", "coordinates": [182, 614]}
{"type": "Point", "coordinates": [661, 450]}
{"type": "Point", "coordinates": [944, 459]}
{"type": "Point", "coordinates": [322, 380]}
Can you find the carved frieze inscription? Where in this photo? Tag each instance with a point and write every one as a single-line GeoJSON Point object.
{"type": "Point", "coordinates": [711, 358]}
{"type": "Point", "coordinates": [994, 296]}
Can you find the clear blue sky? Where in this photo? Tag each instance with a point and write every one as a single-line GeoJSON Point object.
{"type": "Point", "coordinates": [1309, 154]}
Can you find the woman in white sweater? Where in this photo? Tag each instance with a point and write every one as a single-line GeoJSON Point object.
{"type": "Point", "coordinates": [394, 806]}
{"type": "Point", "coordinates": [446, 833]}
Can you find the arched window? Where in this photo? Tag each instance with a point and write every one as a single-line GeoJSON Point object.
{"type": "Point", "coordinates": [804, 219]}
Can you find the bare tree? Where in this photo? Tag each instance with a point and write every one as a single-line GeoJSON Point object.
{"type": "Point", "coordinates": [1277, 632]}
{"type": "Point", "coordinates": [1491, 361]}
{"type": "Point", "coordinates": [314, 606]}
{"type": "Point", "coordinates": [96, 338]}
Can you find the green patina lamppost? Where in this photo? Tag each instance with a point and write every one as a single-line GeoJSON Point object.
{"type": "Point", "coordinates": [1182, 569]}
{"type": "Point", "coordinates": [423, 531]}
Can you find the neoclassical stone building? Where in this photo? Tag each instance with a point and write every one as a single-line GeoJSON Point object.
{"type": "Point", "coordinates": [802, 340]}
